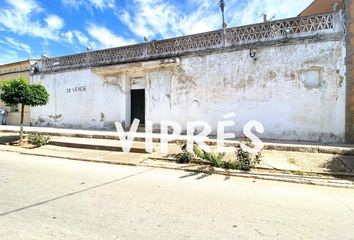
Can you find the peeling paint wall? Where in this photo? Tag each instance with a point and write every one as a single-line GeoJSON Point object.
{"type": "Point", "coordinates": [80, 99]}
{"type": "Point", "coordinates": [271, 90]}
{"type": "Point", "coordinates": [297, 91]}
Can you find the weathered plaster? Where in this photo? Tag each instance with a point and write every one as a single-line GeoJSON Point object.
{"type": "Point", "coordinates": [269, 90]}
{"type": "Point", "coordinates": [209, 86]}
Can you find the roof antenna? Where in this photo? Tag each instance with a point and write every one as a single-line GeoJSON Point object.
{"type": "Point", "coordinates": [264, 15]}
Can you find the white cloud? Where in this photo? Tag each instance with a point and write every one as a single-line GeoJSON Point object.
{"type": "Point", "coordinates": [149, 17]}
{"type": "Point", "coordinates": [25, 6]}
{"type": "Point", "coordinates": [102, 4]}
{"type": "Point", "coordinates": [89, 4]}
{"type": "Point", "coordinates": [18, 19]}
{"type": "Point", "coordinates": [54, 22]}
{"type": "Point", "coordinates": [106, 37]}
{"type": "Point", "coordinates": [252, 11]}
{"type": "Point", "coordinates": [17, 45]}
{"type": "Point", "coordinates": [82, 38]}
{"type": "Point", "coordinates": [69, 36]}
{"type": "Point", "coordinates": [152, 18]}
{"type": "Point", "coordinates": [9, 56]}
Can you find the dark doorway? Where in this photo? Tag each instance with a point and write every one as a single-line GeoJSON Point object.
{"type": "Point", "coordinates": [137, 100]}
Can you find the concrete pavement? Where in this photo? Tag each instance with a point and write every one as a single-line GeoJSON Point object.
{"type": "Point", "coordinates": [48, 198]}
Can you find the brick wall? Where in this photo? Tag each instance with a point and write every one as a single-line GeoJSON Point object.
{"type": "Point", "coordinates": [322, 6]}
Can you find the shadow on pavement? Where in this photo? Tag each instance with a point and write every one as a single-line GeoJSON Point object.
{"type": "Point", "coordinates": [202, 172]}
{"type": "Point", "coordinates": [73, 193]}
{"type": "Point", "coordinates": [9, 139]}
{"type": "Point", "coordinates": [340, 164]}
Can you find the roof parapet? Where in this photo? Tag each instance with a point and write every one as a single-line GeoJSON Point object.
{"type": "Point", "coordinates": [257, 33]}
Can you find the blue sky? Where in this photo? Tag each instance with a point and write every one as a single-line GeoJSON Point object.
{"type": "Point", "coordinates": [32, 28]}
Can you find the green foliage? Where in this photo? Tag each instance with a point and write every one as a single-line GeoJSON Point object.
{"type": "Point", "coordinates": [38, 139]}
{"type": "Point", "coordinates": [185, 156]}
{"type": "Point", "coordinates": [245, 159]}
{"type": "Point", "coordinates": [198, 152]}
{"type": "Point", "coordinates": [15, 91]}
{"type": "Point", "coordinates": [19, 91]}
{"type": "Point", "coordinates": [39, 95]}
{"type": "Point", "coordinates": [215, 160]}
{"type": "Point", "coordinates": [231, 165]}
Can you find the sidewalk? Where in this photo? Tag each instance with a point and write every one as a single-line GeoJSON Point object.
{"type": "Point", "coordinates": [139, 159]}
{"type": "Point", "coordinates": [310, 147]}
{"type": "Point", "coordinates": [284, 161]}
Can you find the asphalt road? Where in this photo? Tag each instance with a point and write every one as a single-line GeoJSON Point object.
{"type": "Point", "coordinates": [47, 198]}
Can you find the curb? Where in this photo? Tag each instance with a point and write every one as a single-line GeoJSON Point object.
{"type": "Point", "coordinates": [277, 170]}
{"type": "Point", "coordinates": [264, 176]}
{"type": "Point", "coordinates": [94, 147]}
{"type": "Point", "coordinates": [337, 150]}
{"type": "Point", "coordinates": [327, 182]}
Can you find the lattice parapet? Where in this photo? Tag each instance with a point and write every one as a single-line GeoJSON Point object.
{"type": "Point", "coordinates": [294, 27]}
{"type": "Point", "coordinates": [279, 29]}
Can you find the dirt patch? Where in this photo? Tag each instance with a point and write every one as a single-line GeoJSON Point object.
{"type": "Point", "coordinates": [14, 140]}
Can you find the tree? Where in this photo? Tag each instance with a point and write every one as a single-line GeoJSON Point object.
{"type": "Point", "coordinates": [19, 91]}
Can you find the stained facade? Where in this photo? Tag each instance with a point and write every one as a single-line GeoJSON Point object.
{"type": "Point", "coordinates": [287, 74]}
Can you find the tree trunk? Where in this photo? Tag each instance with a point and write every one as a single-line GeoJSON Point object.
{"type": "Point", "coordinates": [21, 126]}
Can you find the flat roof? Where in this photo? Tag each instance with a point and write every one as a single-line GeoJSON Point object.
{"type": "Point", "coordinates": [16, 63]}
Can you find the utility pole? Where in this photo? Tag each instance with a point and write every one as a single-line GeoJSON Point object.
{"type": "Point", "coordinates": [222, 7]}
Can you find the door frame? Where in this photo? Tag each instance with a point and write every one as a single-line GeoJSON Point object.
{"type": "Point", "coordinates": [130, 85]}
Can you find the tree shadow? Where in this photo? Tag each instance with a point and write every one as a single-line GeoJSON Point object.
{"type": "Point", "coordinates": [341, 166]}
{"type": "Point", "coordinates": [9, 140]}
{"type": "Point", "coordinates": [203, 171]}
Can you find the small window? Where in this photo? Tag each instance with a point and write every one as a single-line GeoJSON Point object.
{"type": "Point", "coordinates": [312, 78]}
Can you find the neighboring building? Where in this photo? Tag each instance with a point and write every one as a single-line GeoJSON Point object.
{"type": "Point", "coordinates": [14, 71]}
{"type": "Point", "coordinates": [349, 24]}
{"type": "Point", "coordinates": [288, 74]}
{"type": "Point", "coordinates": [322, 6]}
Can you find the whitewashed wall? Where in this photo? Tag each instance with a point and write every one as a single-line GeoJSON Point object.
{"type": "Point", "coordinates": [209, 86]}
{"type": "Point", "coordinates": [270, 90]}
{"type": "Point", "coordinates": [99, 106]}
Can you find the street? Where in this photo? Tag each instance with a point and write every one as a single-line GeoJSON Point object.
{"type": "Point", "coordinates": [48, 198]}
